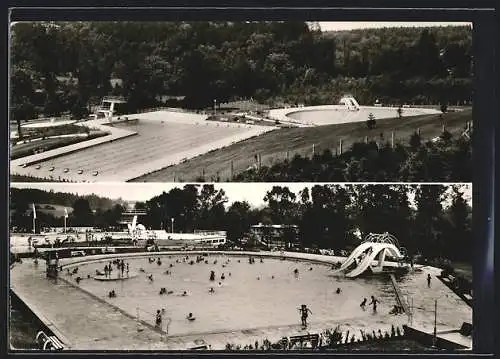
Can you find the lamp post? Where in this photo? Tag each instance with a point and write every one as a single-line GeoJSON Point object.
{"type": "Point", "coordinates": [215, 107]}
{"type": "Point", "coordinates": [172, 219]}
{"type": "Point", "coordinates": [434, 338]}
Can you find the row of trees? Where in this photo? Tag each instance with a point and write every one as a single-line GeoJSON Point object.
{"type": "Point", "coordinates": [62, 67]}
{"type": "Point", "coordinates": [434, 220]}
{"type": "Point", "coordinates": [446, 160]}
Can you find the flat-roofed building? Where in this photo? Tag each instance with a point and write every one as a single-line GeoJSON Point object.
{"type": "Point", "coordinates": [275, 235]}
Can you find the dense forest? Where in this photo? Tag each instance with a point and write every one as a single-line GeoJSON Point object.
{"type": "Point", "coordinates": [22, 200]}
{"type": "Point", "coordinates": [63, 68]}
{"type": "Point", "coordinates": [434, 220]}
{"type": "Point", "coordinates": [447, 160]}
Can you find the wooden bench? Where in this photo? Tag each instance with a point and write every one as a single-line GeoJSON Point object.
{"type": "Point", "coordinates": [48, 342]}
{"type": "Point", "coordinates": [200, 347]}
{"type": "Point", "coordinates": [56, 343]}
{"type": "Point", "coordinates": [312, 338]}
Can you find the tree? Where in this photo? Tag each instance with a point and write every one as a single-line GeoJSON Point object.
{"type": "Point", "coordinates": [211, 207]}
{"type": "Point", "coordinates": [371, 122]}
{"type": "Point", "coordinates": [459, 239]}
{"type": "Point", "coordinates": [400, 112]}
{"type": "Point", "coordinates": [281, 202]}
{"type": "Point", "coordinates": [428, 223]}
{"type": "Point", "coordinates": [82, 214]}
{"type": "Point", "coordinates": [238, 220]}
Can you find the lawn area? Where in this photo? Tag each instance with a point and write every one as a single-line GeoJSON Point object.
{"type": "Point", "coordinates": [19, 178]}
{"type": "Point", "coordinates": [29, 148]}
{"type": "Point", "coordinates": [273, 146]}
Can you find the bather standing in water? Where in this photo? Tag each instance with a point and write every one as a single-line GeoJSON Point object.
{"type": "Point", "coordinates": [363, 303]}
{"type": "Point", "coordinates": [304, 313]}
{"type": "Point", "coordinates": [374, 303]}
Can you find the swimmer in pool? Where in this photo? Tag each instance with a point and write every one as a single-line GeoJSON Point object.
{"type": "Point", "coordinates": [363, 303]}
{"type": "Point", "coordinates": [304, 313]}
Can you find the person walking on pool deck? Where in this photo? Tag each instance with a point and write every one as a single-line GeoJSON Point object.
{"type": "Point", "coordinates": [428, 280]}
{"type": "Point", "coordinates": [304, 313]}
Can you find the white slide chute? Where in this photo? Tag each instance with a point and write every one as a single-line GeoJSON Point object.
{"type": "Point", "coordinates": [371, 254]}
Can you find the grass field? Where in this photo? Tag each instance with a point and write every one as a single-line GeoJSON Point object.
{"type": "Point", "coordinates": [26, 149]}
{"type": "Point", "coordinates": [273, 146]}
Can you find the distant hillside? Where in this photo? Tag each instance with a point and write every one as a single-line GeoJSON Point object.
{"type": "Point", "coordinates": [56, 201]}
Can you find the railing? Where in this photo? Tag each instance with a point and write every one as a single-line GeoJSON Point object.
{"type": "Point", "coordinates": [47, 342]}
{"type": "Point", "coordinates": [114, 99]}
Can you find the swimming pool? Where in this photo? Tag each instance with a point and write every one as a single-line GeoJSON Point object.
{"type": "Point", "coordinates": [259, 295]}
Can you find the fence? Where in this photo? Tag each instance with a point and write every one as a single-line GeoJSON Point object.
{"type": "Point", "coordinates": [222, 171]}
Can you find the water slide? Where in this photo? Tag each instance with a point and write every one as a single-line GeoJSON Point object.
{"type": "Point", "coordinates": [352, 257]}
{"type": "Point", "coordinates": [366, 262]}
{"type": "Point", "coordinates": [363, 265]}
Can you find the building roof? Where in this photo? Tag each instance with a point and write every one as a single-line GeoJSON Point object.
{"type": "Point", "coordinates": [276, 226]}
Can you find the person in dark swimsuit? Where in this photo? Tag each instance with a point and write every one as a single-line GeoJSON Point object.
{"type": "Point", "coordinates": [374, 303]}
{"type": "Point", "coordinates": [158, 318]}
{"type": "Point", "coordinates": [304, 313]}
{"type": "Point", "coordinates": [363, 303]}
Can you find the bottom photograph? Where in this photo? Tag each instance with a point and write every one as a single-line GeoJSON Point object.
{"type": "Point", "coordinates": [240, 267]}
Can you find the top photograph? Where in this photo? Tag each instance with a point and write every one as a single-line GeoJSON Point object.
{"type": "Point", "coordinates": [252, 101]}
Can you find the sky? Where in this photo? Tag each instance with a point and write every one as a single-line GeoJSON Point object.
{"type": "Point", "coordinates": [253, 193]}
{"type": "Point", "coordinates": [345, 25]}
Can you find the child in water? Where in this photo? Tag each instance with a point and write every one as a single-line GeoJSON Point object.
{"type": "Point", "coordinates": [158, 318]}
{"type": "Point", "coordinates": [363, 303]}
{"type": "Point", "coordinates": [374, 303]}
{"type": "Point", "coordinates": [304, 313]}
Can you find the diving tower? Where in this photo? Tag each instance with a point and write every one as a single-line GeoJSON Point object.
{"type": "Point", "coordinates": [349, 102]}
{"type": "Point", "coordinates": [108, 106]}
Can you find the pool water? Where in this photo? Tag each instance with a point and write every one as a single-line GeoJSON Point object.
{"type": "Point", "coordinates": [326, 116]}
{"type": "Point", "coordinates": [249, 297]}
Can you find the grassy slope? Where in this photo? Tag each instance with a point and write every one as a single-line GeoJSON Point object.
{"type": "Point", "coordinates": [274, 145]}
{"type": "Point", "coordinates": [27, 149]}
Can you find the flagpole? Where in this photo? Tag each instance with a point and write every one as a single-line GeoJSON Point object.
{"type": "Point", "coordinates": [34, 219]}
{"type": "Point", "coordinates": [65, 217]}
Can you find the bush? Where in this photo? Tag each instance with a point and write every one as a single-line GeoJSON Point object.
{"type": "Point", "coordinates": [371, 124]}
